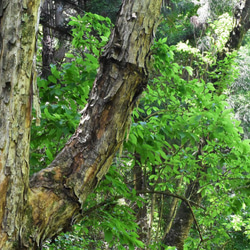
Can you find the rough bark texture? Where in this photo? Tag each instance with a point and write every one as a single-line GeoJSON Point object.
{"type": "Point", "coordinates": [18, 22]}
{"type": "Point", "coordinates": [29, 215]}
{"type": "Point", "coordinates": [47, 42]}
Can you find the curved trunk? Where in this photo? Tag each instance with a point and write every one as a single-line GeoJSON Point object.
{"type": "Point", "coordinates": [53, 202]}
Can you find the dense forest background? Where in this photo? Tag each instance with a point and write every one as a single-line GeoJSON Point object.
{"type": "Point", "coordinates": [181, 180]}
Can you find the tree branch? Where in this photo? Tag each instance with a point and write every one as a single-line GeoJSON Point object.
{"type": "Point", "coordinates": [172, 195]}
{"type": "Point", "coordinates": [59, 191]}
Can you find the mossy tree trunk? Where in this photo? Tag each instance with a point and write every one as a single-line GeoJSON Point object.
{"type": "Point", "coordinates": [32, 211]}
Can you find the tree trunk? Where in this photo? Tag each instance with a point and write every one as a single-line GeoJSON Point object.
{"type": "Point", "coordinates": [18, 23]}
{"type": "Point", "coordinates": [141, 212]}
{"type": "Point", "coordinates": [183, 220]}
{"type": "Point", "coordinates": [47, 42]}
{"type": "Point", "coordinates": [169, 213]}
{"type": "Point", "coordinates": [242, 25]}
{"type": "Point", "coordinates": [32, 212]}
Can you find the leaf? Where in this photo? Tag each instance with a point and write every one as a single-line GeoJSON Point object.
{"type": "Point", "coordinates": [108, 235]}
{"type": "Point", "coordinates": [55, 72]}
{"type": "Point", "coordinates": [47, 114]}
{"type": "Point", "coordinates": [189, 70]}
{"type": "Point", "coordinates": [68, 55]}
{"type": "Point", "coordinates": [51, 78]}
{"type": "Point", "coordinates": [163, 155]}
{"type": "Point", "coordinates": [49, 154]}
{"type": "Point", "coordinates": [133, 139]}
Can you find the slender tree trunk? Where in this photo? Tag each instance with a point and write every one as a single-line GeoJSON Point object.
{"type": "Point", "coordinates": [183, 219]}
{"type": "Point", "coordinates": [141, 212]}
{"type": "Point", "coordinates": [47, 42]}
{"type": "Point", "coordinates": [172, 209]}
{"type": "Point", "coordinates": [32, 212]}
{"type": "Point", "coordinates": [52, 21]}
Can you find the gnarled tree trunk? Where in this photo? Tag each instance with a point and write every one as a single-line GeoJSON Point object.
{"type": "Point", "coordinates": [31, 212]}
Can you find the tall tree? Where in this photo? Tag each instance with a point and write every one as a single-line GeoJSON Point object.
{"type": "Point", "coordinates": [184, 218]}
{"type": "Point", "coordinates": [32, 211]}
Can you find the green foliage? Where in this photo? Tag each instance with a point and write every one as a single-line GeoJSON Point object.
{"type": "Point", "coordinates": [240, 89]}
{"type": "Point", "coordinates": [69, 240]}
{"type": "Point", "coordinates": [220, 7]}
{"type": "Point", "coordinates": [176, 21]}
{"type": "Point", "coordinates": [115, 218]}
{"type": "Point", "coordinates": [90, 33]}
{"type": "Point", "coordinates": [186, 132]}
{"type": "Point", "coordinates": [182, 131]}
{"type": "Point", "coordinates": [219, 30]}
{"type": "Point", "coordinates": [108, 221]}
{"type": "Point", "coordinates": [66, 90]}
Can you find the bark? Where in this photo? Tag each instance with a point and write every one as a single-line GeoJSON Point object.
{"type": "Point", "coordinates": [141, 212]}
{"type": "Point", "coordinates": [18, 23]}
{"type": "Point", "coordinates": [52, 202]}
{"type": "Point", "coordinates": [171, 210]}
{"type": "Point", "coordinates": [53, 28]}
{"type": "Point", "coordinates": [183, 220]}
{"type": "Point", "coordinates": [47, 42]}
{"type": "Point", "coordinates": [242, 25]}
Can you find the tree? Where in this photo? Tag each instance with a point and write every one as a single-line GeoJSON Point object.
{"type": "Point", "coordinates": [184, 218]}
{"type": "Point", "coordinates": [32, 211]}
{"type": "Point", "coordinates": [218, 70]}
{"type": "Point", "coordinates": [56, 33]}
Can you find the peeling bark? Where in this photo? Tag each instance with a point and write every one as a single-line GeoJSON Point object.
{"type": "Point", "coordinates": [18, 22]}
{"type": "Point", "coordinates": [29, 215]}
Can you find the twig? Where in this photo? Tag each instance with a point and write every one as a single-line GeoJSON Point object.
{"type": "Point", "coordinates": [172, 195]}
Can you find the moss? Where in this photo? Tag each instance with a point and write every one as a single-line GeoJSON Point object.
{"type": "Point", "coordinates": [29, 224]}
